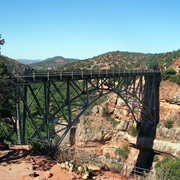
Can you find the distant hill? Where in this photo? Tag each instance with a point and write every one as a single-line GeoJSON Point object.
{"type": "Point", "coordinates": [116, 60]}
{"type": "Point", "coordinates": [28, 61]}
{"type": "Point", "coordinates": [14, 66]}
{"type": "Point", "coordinates": [125, 60]}
{"type": "Point", "coordinates": [52, 63]}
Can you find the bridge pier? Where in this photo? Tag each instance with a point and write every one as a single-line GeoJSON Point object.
{"type": "Point", "coordinates": [147, 131]}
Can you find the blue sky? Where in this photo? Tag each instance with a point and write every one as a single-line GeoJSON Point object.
{"type": "Point", "coordinates": [39, 29]}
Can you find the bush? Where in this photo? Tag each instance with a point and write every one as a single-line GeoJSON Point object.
{"type": "Point", "coordinates": [155, 159]}
{"type": "Point", "coordinates": [42, 148]}
{"type": "Point", "coordinates": [168, 124]}
{"type": "Point", "coordinates": [175, 79]}
{"type": "Point", "coordinates": [8, 131]}
{"type": "Point", "coordinates": [107, 155]}
{"type": "Point", "coordinates": [133, 131]}
{"type": "Point", "coordinates": [172, 75]}
{"type": "Point", "coordinates": [105, 110]}
{"type": "Point", "coordinates": [112, 121]}
{"type": "Point", "coordinates": [168, 169]}
{"type": "Point", "coordinates": [170, 72]}
{"type": "Point", "coordinates": [122, 152]}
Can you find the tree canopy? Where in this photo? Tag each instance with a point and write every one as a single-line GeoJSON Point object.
{"type": "Point", "coordinates": [5, 92]}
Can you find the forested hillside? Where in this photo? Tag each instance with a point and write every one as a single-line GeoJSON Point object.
{"type": "Point", "coordinates": [125, 60]}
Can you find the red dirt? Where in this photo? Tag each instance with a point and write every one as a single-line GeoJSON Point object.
{"type": "Point", "coordinates": [18, 164]}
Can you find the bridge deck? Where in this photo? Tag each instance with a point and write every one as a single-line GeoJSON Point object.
{"type": "Point", "coordinates": [80, 75]}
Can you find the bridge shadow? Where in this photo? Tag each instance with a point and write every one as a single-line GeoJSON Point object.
{"type": "Point", "coordinates": [13, 156]}
{"type": "Point", "coordinates": [147, 131]}
{"type": "Point", "coordinates": [146, 154]}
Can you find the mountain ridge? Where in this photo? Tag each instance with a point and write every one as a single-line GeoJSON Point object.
{"type": "Point", "coordinates": [28, 61]}
{"type": "Point", "coordinates": [53, 62]}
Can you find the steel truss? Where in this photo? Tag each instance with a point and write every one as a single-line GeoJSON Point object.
{"type": "Point", "coordinates": [46, 100]}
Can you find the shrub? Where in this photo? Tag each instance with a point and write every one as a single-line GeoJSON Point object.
{"type": "Point", "coordinates": [115, 168]}
{"type": "Point", "coordinates": [122, 152]}
{"type": "Point", "coordinates": [170, 71]}
{"type": "Point", "coordinates": [107, 155]}
{"type": "Point", "coordinates": [168, 124]}
{"type": "Point", "coordinates": [172, 75]}
{"type": "Point", "coordinates": [112, 166]}
{"type": "Point", "coordinates": [155, 159]}
{"type": "Point", "coordinates": [64, 154]}
{"type": "Point", "coordinates": [112, 121]}
{"type": "Point", "coordinates": [133, 131]}
{"type": "Point", "coordinates": [175, 79]}
{"type": "Point", "coordinates": [42, 148]}
{"type": "Point", "coordinates": [168, 169]}
{"type": "Point", "coordinates": [8, 133]}
{"type": "Point", "coordinates": [105, 110]}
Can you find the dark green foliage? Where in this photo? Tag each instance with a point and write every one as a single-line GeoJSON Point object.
{"type": "Point", "coordinates": [8, 129]}
{"type": "Point", "coordinates": [3, 69]}
{"type": "Point", "coordinates": [168, 124]}
{"type": "Point", "coordinates": [175, 79]}
{"type": "Point", "coordinates": [155, 159]}
{"type": "Point", "coordinates": [153, 62]}
{"type": "Point", "coordinates": [168, 169]}
{"type": "Point", "coordinates": [170, 72]}
{"type": "Point", "coordinates": [6, 93]}
{"type": "Point", "coordinates": [6, 99]}
{"type": "Point", "coordinates": [42, 149]}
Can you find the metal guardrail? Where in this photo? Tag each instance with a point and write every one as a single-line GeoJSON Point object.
{"type": "Point", "coordinates": [33, 76]}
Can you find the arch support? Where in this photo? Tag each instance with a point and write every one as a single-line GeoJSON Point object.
{"type": "Point", "coordinates": [52, 106]}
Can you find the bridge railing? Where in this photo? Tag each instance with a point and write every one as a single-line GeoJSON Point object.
{"type": "Point", "coordinates": [83, 74]}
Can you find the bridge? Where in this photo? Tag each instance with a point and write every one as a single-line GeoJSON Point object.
{"type": "Point", "coordinates": [45, 100]}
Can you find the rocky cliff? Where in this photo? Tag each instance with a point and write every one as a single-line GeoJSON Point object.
{"type": "Point", "coordinates": [170, 102]}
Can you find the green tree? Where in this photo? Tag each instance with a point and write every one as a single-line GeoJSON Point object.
{"type": "Point", "coordinates": [3, 69]}
{"type": "Point", "coordinates": [6, 92]}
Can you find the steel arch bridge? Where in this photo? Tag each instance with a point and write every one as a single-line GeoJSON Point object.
{"type": "Point", "coordinates": [44, 100]}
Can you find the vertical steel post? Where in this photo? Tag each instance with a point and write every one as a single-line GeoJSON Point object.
{"type": "Point", "coordinates": [24, 115]}
{"type": "Point", "coordinates": [18, 124]}
{"type": "Point", "coordinates": [47, 99]}
{"type": "Point", "coordinates": [69, 102]}
{"type": "Point", "coordinates": [87, 93]}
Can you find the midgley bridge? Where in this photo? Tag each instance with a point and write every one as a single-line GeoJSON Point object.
{"type": "Point", "coordinates": [65, 96]}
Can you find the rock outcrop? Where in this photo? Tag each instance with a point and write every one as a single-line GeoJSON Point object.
{"type": "Point", "coordinates": [169, 102]}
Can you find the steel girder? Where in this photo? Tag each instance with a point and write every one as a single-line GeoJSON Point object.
{"type": "Point", "coordinates": [43, 105]}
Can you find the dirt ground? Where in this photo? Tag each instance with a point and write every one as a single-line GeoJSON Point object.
{"type": "Point", "coordinates": [17, 164]}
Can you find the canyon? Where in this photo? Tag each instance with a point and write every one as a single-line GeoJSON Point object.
{"type": "Point", "coordinates": [96, 138]}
